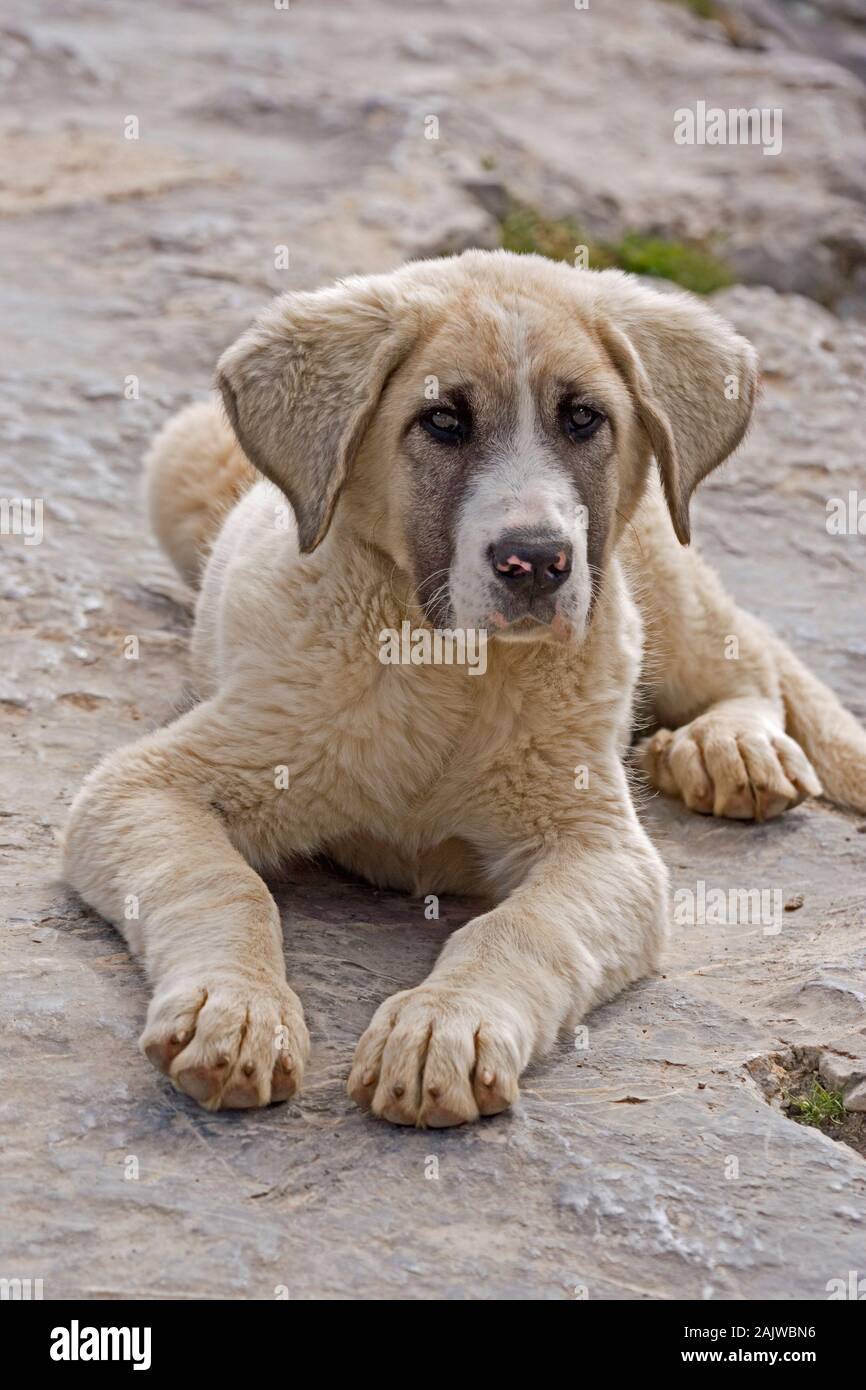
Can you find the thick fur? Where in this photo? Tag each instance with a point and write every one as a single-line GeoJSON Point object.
{"type": "Point", "coordinates": [509, 786]}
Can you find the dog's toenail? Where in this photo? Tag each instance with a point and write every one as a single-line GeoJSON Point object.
{"type": "Point", "coordinates": [221, 1061]}
{"type": "Point", "coordinates": [488, 1077]}
{"type": "Point", "coordinates": [368, 1078]}
{"type": "Point", "coordinates": [433, 1092]}
{"type": "Point", "coordinates": [398, 1090]}
{"type": "Point", "coordinates": [249, 1068]}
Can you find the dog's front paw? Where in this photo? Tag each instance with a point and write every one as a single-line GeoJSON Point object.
{"type": "Point", "coordinates": [730, 762]}
{"type": "Point", "coordinates": [439, 1055]}
{"type": "Point", "coordinates": [230, 1042]}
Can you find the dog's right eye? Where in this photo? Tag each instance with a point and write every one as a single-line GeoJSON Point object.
{"type": "Point", "coordinates": [445, 426]}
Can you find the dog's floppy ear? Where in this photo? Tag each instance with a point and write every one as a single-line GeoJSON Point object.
{"type": "Point", "coordinates": [692, 377]}
{"type": "Point", "coordinates": [301, 385]}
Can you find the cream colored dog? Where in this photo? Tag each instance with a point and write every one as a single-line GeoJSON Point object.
{"type": "Point", "coordinates": [465, 444]}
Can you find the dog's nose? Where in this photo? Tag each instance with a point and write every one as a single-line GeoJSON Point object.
{"type": "Point", "coordinates": [536, 563]}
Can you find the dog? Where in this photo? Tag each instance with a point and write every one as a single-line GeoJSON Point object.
{"type": "Point", "coordinates": [486, 443]}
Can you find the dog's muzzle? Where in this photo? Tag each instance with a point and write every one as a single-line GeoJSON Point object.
{"type": "Point", "coordinates": [529, 569]}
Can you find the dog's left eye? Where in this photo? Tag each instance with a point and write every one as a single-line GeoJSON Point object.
{"type": "Point", "coordinates": [444, 425]}
{"type": "Point", "coordinates": [580, 421]}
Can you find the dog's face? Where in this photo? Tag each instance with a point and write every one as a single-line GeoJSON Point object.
{"type": "Point", "coordinates": [496, 440]}
{"type": "Point", "coordinates": [488, 421]}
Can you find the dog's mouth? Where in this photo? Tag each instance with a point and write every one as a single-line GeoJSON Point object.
{"type": "Point", "coordinates": [528, 627]}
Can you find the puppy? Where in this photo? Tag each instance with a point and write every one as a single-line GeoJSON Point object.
{"type": "Point", "coordinates": [492, 445]}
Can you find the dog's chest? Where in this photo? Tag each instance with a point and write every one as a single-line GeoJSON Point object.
{"type": "Point", "coordinates": [394, 735]}
{"type": "Point", "coordinates": [404, 744]}
{"type": "Point", "coordinates": [395, 749]}
{"type": "Point", "coordinates": [414, 756]}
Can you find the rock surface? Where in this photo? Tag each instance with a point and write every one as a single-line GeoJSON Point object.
{"type": "Point", "coordinates": [646, 1164]}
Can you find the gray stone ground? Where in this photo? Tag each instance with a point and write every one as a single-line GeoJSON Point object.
{"type": "Point", "coordinates": [260, 128]}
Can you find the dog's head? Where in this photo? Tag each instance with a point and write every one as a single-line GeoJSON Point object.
{"type": "Point", "coordinates": [488, 422]}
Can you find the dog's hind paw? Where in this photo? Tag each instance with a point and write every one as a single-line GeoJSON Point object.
{"type": "Point", "coordinates": [731, 761]}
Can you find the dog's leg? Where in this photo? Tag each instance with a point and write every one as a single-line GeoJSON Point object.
{"type": "Point", "coordinates": [714, 683]}
{"type": "Point", "coordinates": [587, 919]}
{"type": "Point", "coordinates": [734, 760]}
{"type": "Point", "coordinates": [146, 846]}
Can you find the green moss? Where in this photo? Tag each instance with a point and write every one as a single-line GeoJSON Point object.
{"type": "Point", "coordinates": [704, 9]}
{"type": "Point", "coordinates": [820, 1107]}
{"type": "Point", "coordinates": [693, 267]}
{"type": "Point", "coordinates": [526, 231]}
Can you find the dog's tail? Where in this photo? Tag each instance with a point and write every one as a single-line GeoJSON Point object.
{"type": "Point", "coordinates": [832, 739]}
{"type": "Point", "coordinates": [195, 471]}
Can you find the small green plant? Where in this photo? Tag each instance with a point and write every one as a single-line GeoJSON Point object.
{"type": "Point", "coordinates": [527, 231]}
{"type": "Point", "coordinates": [690, 266]}
{"type": "Point", "coordinates": [704, 9]}
{"type": "Point", "coordinates": [820, 1107]}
